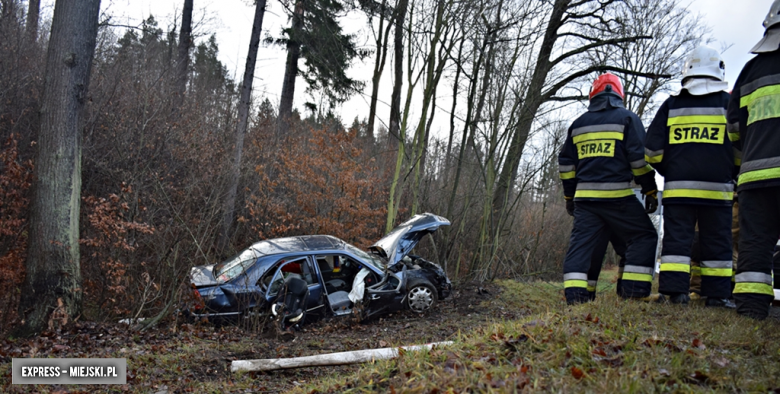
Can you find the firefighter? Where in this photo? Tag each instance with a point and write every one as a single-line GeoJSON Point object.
{"type": "Point", "coordinates": [602, 153]}
{"type": "Point", "coordinates": [688, 145]}
{"type": "Point", "coordinates": [754, 120]}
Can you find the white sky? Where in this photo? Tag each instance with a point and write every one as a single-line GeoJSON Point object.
{"type": "Point", "coordinates": [734, 24]}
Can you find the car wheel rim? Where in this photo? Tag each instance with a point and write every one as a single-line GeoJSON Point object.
{"type": "Point", "coordinates": [420, 299]}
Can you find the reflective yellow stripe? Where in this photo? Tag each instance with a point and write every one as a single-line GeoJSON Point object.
{"type": "Point", "coordinates": [603, 193]}
{"type": "Point", "coordinates": [734, 137]}
{"type": "Point", "coordinates": [568, 175]}
{"type": "Point", "coordinates": [673, 267]}
{"type": "Point", "coordinates": [602, 135]}
{"type": "Point", "coordinates": [693, 193]}
{"type": "Point", "coordinates": [654, 159]}
{"type": "Point", "coordinates": [716, 271]}
{"type": "Point", "coordinates": [637, 277]}
{"type": "Point", "coordinates": [759, 175]}
{"type": "Point", "coordinates": [737, 161]}
{"type": "Point", "coordinates": [642, 171]}
{"type": "Point", "coordinates": [575, 283]}
{"type": "Point", "coordinates": [755, 288]}
{"type": "Point", "coordinates": [695, 271]}
{"type": "Point", "coordinates": [680, 120]}
{"type": "Point", "coordinates": [762, 104]}
{"type": "Point", "coordinates": [591, 288]}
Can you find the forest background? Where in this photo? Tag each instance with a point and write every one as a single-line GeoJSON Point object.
{"type": "Point", "coordinates": [181, 165]}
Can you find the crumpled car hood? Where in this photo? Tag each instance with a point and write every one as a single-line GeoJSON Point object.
{"type": "Point", "coordinates": [399, 242]}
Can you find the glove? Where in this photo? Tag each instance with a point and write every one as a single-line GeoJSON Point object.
{"type": "Point", "coordinates": [570, 207]}
{"type": "Point", "coordinates": [651, 201]}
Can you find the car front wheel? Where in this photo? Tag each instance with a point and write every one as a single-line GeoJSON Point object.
{"type": "Point", "coordinates": [421, 296]}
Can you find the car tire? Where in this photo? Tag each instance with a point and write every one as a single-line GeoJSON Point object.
{"type": "Point", "coordinates": [421, 296]}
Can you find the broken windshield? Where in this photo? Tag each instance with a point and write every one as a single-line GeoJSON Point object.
{"type": "Point", "coordinates": [235, 265]}
{"type": "Point", "coordinates": [373, 260]}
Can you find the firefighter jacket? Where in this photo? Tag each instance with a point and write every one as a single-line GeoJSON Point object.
{"type": "Point", "coordinates": [687, 143]}
{"type": "Point", "coordinates": [754, 121]}
{"type": "Point", "coordinates": [603, 152]}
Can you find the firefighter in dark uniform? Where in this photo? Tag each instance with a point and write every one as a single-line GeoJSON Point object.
{"type": "Point", "coordinates": [754, 117]}
{"type": "Point", "coordinates": [687, 144]}
{"type": "Point", "coordinates": [602, 153]}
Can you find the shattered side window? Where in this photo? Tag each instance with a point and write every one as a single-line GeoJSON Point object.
{"type": "Point", "coordinates": [234, 266]}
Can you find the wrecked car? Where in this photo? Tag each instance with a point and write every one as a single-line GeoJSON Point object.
{"type": "Point", "coordinates": [332, 276]}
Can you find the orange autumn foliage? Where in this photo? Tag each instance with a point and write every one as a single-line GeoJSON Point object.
{"type": "Point", "coordinates": [15, 178]}
{"type": "Point", "coordinates": [317, 185]}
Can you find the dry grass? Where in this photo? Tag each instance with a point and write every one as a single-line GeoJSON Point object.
{"type": "Point", "coordinates": [609, 346]}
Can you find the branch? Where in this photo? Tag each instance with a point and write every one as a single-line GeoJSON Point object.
{"type": "Point", "coordinates": [568, 98]}
{"type": "Point", "coordinates": [596, 45]}
{"type": "Point", "coordinates": [565, 81]}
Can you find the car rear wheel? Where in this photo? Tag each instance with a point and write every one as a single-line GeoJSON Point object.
{"type": "Point", "coordinates": [421, 296]}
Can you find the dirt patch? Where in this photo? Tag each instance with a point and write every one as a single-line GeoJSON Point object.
{"type": "Point", "coordinates": [184, 357]}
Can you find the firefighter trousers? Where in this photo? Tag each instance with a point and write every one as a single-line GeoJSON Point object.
{"type": "Point", "coordinates": [597, 260]}
{"type": "Point", "coordinates": [714, 248]}
{"type": "Point", "coordinates": [625, 218]}
{"type": "Point", "coordinates": [759, 222]}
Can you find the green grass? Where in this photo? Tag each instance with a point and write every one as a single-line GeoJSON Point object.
{"type": "Point", "coordinates": [609, 345]}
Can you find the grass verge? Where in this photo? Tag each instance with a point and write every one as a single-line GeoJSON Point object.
{"type": "Point", "coordinates": [609, 345]}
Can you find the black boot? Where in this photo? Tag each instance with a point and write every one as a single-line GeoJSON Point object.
{"type": "Point", "coordinates": [680, 298]}
{"type": "Point", "coordinates": [720, 303]}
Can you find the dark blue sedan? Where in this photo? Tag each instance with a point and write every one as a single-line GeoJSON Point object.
{"type": "Point", "coordinates": [339, 276]}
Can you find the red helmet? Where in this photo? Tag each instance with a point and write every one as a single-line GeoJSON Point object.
{"type": "Point", "coordinates": [608, 82]}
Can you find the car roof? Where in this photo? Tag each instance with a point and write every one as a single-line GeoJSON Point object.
{"type": "Point", "coordinates": [302, 243]}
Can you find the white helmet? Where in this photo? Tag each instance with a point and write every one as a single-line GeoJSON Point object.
{"type": "Point", "coordinates": [704, 62]}
{"type": "Point", "coordinates": [773, 17]}
{"type": "Point", "coordinates": [771, 40]}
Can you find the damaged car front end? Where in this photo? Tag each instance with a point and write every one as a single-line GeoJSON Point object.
{"type": "Point", "coordinates": [338, 278]}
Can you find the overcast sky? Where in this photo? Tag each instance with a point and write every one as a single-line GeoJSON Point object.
{"type": "Point", "coordinates": [736, 27]}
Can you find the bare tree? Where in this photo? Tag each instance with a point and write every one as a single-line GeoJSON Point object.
{"type": "Point", "coordinates": [243, 121]}
{"type": "Point", "coordinates": [591, 24]}
{"type": "Point", "coordinates": [33, 11]}
{"type": "Point", "coordinates": [382, 38]}
{"type": "Point", "coordinates": [183, 55]}
{"type": "Point", "coordinates": [52, 289]}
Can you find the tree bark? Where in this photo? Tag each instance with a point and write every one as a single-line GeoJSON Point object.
{"type": "Point", "coordinates": [290, 72]}
{"type": "Point", "coordinates": [183, 55]}
{"type": "Point", "coordinates": [33, 12]}
{"type": "Point", "coordinates": [241, 127]}
{"type": "Point", "coordinates": [53, 280]}
{"type": "Point", "coordinates": [398, 68]}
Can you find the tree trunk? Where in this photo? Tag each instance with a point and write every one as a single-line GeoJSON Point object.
{"type": "Point", "coordinates": [33, 11]}
{"type": "Point", "coordinates": [290, 72]}
{"type": "Point", "coordinates": [379, 66]}
{"type": "Point", "coordinates": [53, 280]}
{"type": "Point", "coordinates": [241, 127]}
{"type": "Point", "coordinates": [183, 55]}
{"type": "Point", "coordinates": [395, 136]}
{"type": "Point", "coordinates": [431, 81]}
{"type": "Point", "coordinates": [398, 68]}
